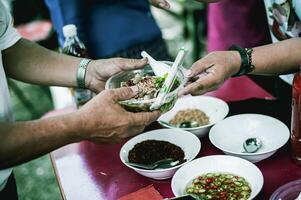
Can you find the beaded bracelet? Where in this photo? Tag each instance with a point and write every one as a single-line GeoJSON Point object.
{"type": "Point", "coordinates": [246, 60]}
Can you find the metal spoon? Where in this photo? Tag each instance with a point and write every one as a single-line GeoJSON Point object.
{"type": "Point", "coordinates": [251, 145]}
{"type": "Point", "coordinates": [164, 163]}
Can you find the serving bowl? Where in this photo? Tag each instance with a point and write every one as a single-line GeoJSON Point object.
{"type": "Point", "coordinates": [144, 105]}
{"type": "Point", "coordinates": [289, 191]}
{"type": "Point", "coordinates": [217, 164]}
{"type": "Point", "coordinates": [216, 109]}
{"type": "Point", "coordinates": [230, 134]}
{"type": "Point", "coordinates": [187, 141]}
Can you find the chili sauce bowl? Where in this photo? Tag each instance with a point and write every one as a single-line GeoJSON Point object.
{"type": "Point", "coordinates": [187, 141]}
{"type": "Point", "coordinates": [230, 134]}
{"type": "Point", "coordinates": [217, 164]}
{"type": "Point", "coordinates": [216, 109]}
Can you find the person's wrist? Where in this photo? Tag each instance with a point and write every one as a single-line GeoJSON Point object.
{"type": "Point", "coordinates": [235, 62]}
{"type": "Point", "coordinates": [82, 73]}
{"type": "Point", "coordinates": [89, 74]}
{"type": "Point", "coordinates": [73, 131]}
{"type": "Point", "coordinates": [246, 65]}
{"type": "Point", "coordinates": [79, 125]}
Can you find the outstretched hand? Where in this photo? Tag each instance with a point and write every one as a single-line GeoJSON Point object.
{"type": "Point", "coordinates": [210, 72]}
{"type": "Point", "coordinates": [104, 120]}
{"type": "Point", "coordinates": [99, 71]}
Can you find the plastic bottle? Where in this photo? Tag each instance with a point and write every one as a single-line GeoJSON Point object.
{"type": "Point", "coordinates": [296, 120]}
{"type": "Point", "coordinates": [73, 46]}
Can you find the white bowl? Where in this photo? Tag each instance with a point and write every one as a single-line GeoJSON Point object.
{"type": "Point", "coordinates": [188, 142]}
{"type": "Point", "coordinates": [216, 109]}
{"type": "Point", "coordinates": [218, 163]}
{"type": "Point", "coordinates": [229, 135]}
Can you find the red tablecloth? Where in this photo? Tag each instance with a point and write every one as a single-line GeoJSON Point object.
{"type": "Point", "coordinates": [89, 171]}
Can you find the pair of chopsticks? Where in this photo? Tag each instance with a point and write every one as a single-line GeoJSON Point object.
{"type": "Point", "coordinates": [168, 83]}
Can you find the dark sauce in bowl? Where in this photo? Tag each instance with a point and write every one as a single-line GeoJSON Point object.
{"type": "Point", "coordinates": [150, 151]}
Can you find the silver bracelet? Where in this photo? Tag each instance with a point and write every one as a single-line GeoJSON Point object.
{"type": "Point", "coordinates": [81, 72]}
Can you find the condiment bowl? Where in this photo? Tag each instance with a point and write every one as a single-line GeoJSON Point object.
{"type": "Point", "coordinates": [230, 134]}
{"type": "Point", "coordinates": [187, 141]}
{"type": "Point", "coordinates": [144, 105]}
{"type": "Point", "coordinates": [216, 109]}
{"type": "Point", "coordinates": [217, 164]}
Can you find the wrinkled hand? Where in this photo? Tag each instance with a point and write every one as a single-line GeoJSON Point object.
{"type": "Point", "coordinates": [160, 4]}
{"type": "Point", "coordinates": [104, 120]}
{"type": "Point", "coordinates": [99, 71]}
{"type": "Point", "coordinates": [210, 72]}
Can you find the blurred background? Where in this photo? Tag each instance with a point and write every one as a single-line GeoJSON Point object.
{"type": "Point", "coordinates": [183, 25]}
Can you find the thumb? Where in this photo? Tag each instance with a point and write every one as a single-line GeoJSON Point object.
{"type": "Point", "coordinates": [130, 64]}
{"type": "Point", "coordinates": [198, 67]}
{"type": "Point", "coordinates": [124, 93]}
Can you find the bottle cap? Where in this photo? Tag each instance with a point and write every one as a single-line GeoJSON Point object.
{"type": "Point", "coordinates": [69, 30]}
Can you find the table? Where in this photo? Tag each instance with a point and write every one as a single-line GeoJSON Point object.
{"type": "Point", "coordinates": [89, 171]}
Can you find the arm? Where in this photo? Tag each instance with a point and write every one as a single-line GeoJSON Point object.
{"type": "Point", "coordinates": [211, 71]}
{"type": "Point", "coordinates": [32, 63]}
{"type": "Point", "coordinates": [100, 120]}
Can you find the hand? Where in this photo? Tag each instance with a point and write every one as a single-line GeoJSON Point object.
{"type": "Point", "coordinates": [160, 4]}
{"type": "Point", "coordinates": [210, 72]}
{"type": "Point", "coordinates": [104, 120]}
{"type": "Point", "coordinates": [99, 71]}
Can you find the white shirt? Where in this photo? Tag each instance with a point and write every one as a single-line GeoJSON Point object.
{"type": "Point", "coordinates": [284, 18]}
{"type": "Point", "coordinates": [8, 37]}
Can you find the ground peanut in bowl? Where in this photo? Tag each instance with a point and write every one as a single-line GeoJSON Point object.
{"type": "Point", "coordinates": [195, 117]}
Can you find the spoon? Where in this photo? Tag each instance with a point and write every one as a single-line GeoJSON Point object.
{"type": "Point", "coordinates": [186, 124]}
{"type": "Point", "coordinates": [251, 145]}
{"type": "Point", "coordinates": [164, 163]}
{"type": "Point", "coordinates": [159, 68]}
{"type": "Point", "coordinates": [185, 197]}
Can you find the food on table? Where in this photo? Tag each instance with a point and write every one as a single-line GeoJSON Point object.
{"type": "Point", "coordinates": [150, 151]}
{"type": "Point", "coordinates": [220, 186]}
{"type": "Point", "coordinates": [149, 87]}
{"type": "Point", "coordinates": [189, 118]}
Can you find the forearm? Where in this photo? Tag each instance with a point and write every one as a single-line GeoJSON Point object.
{"type": "Point", "coordinates": [278, 58]}
{"type": "Point", "coordinates": [29, 62]}
{"type": "Point", "coordinates": [24, 141]}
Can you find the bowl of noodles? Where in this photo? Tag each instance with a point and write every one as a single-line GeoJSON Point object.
{"type": "Point", "coordinates": [149, 86]}
{"type": "Point", "coordinates": [196, 114]}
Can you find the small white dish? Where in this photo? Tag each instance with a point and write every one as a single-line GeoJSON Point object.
{"type": "Point", "coordinates": [217, 163]}
{"type": "Point", "coordinates": [216, 109]}
{"type": "Point", "coordinates": [229, 135]}
{"type": "Point", "coordinates": [187, 141]}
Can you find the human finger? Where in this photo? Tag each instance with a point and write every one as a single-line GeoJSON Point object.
{"type": "Point", "coordinates": [130, 64]}
{"type": "Point", "coordinates": [160, 4]}
{"type": "Point", "coordinates": [199, 67]}
{"type": "Point", "coordinates": [144, 118]}
{"type": "Point", "coordinates": [124, 93]}
{"type": "Point", "coordinates": [201, 85]}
